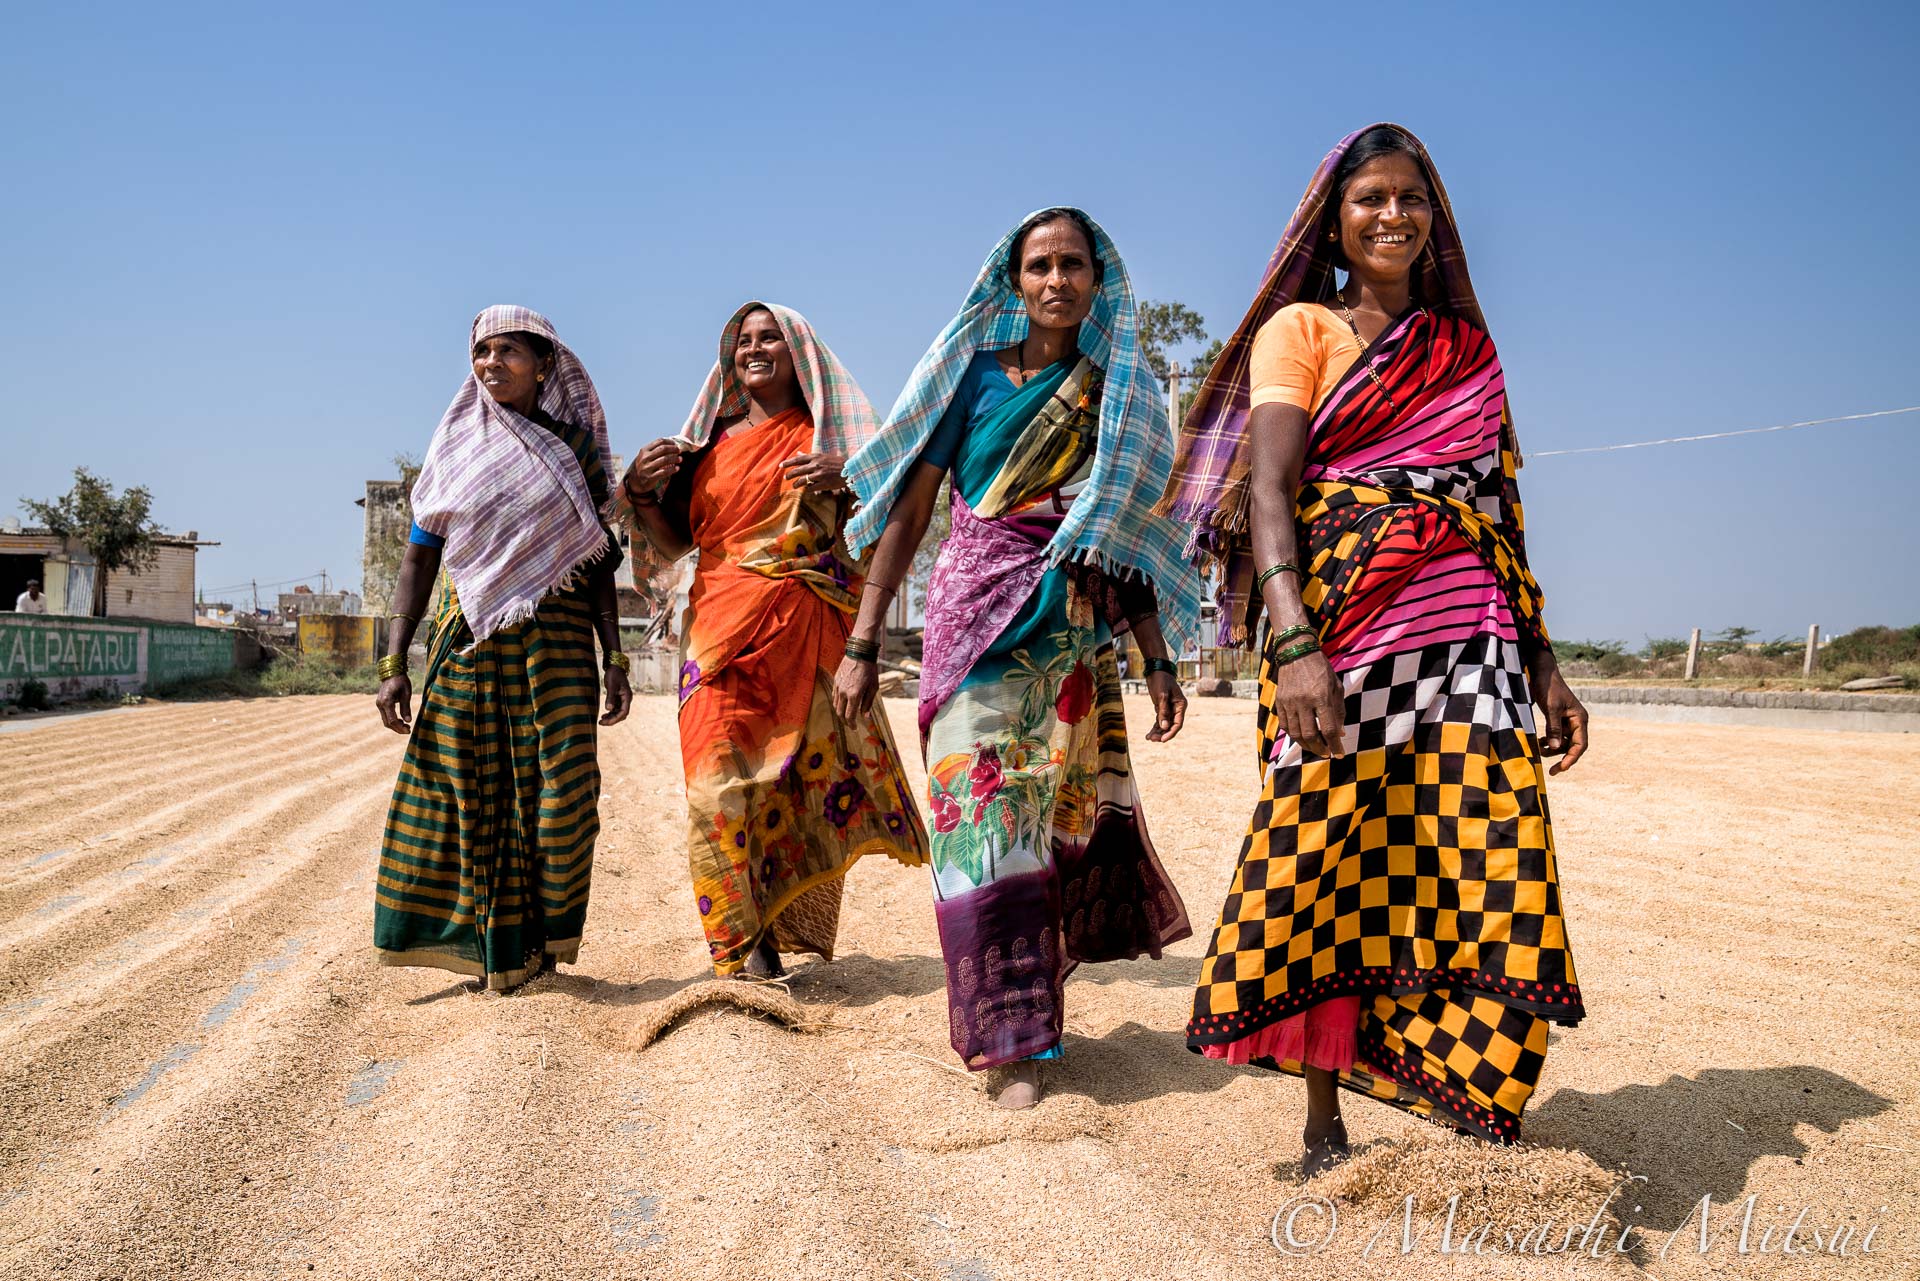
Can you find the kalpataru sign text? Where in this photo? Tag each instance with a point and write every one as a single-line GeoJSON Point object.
{"type": "Point", "coordinates": [70, 655]}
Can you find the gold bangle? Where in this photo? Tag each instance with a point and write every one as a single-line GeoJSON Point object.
{"type": "Point", "coordinates": [390, 666]}
{"type": "Point", "coordinates": [618, 658]}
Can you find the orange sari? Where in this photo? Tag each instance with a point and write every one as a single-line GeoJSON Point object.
{"type": "Point", "coordinates": [782, 797]}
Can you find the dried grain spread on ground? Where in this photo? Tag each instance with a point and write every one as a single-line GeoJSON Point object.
{"type": "Point", "coordinates": [204, 1072]}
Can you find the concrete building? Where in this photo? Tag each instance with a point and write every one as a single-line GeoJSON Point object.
{"type": "Point", "coordinates": [163, 591]}
{"type": "Point", "coordinates": [303, 600]}
{"type": "Point", "coordinates": [383, 540]}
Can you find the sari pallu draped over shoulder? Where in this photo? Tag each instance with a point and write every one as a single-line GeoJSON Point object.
{"type": "Point", "coordinates": [1112, 524]}
{"type": "Point", "coordinates": [1207, 492]}
{"type": "Point", "coordinates": [1416, 874]}
{"type": "Point", "coordinates": [1040, 850]}
{"type": "Point", "coordinates": [782, 795]}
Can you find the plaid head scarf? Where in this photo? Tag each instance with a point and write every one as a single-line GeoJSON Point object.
{"type": "Point", "coordinates": [1112, 524]}
{"type": "Point", "coordinates": [1208, 492]}
{"type": "Point", "coordinates": [843, 418]}
{"type": "Point", "coordinates": [507, 494]}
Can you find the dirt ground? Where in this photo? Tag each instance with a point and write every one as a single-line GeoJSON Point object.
{"type": "Point", "coordinates": [204, 1073]}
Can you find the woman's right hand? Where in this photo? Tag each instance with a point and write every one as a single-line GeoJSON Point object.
{"type": "Point", "coordinates": [1311, 705]}
{"type": "Point", "coordinates": [854, 686]}
{"type": "Point", "coordinates": [651, 469]}
{"type": "Point", "coordinates": [395, 701]}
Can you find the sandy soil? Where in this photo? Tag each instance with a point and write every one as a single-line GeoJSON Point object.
{"type": "Point", "coordinates": [204, 1073]}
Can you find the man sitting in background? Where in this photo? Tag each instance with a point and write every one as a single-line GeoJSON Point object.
{"type": "Point", "coordinates": [30, 601]}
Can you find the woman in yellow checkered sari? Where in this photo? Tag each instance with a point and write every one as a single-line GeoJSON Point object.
{"type": "Point", "coordinates": [1394, 924]}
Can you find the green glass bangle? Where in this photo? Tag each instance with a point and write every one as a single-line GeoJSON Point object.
{"type": "Point", "coordinates": [1259, 584]}
{"type": "Point", "coordinates": [1166, 665]}
{"type": "Point", "coordinates": [1296, 653]}
{"type": "Point", "coordinates": [1286, 634]}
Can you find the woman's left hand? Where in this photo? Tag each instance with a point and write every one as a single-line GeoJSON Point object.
{"type": "Point", "coordinates": [1563, 717]}
{"type": "Point", "coordinates": [619, 696]}
{"type": "Point", "coordinates": [818, 472]}
{"type": "Point", "coordinates": [1169, 706]}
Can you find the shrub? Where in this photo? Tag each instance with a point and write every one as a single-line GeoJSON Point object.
{"type": "Point", "coordinates": [1875, 646]}
{"type": "Point", "coordinates": [33, 696]}
{"type": "Point", "coordinates": [289, 674]}
{"type": "Point", "coordinates": [1587, 651]}
{"type": "Point", "coordinates": [1619, 665]}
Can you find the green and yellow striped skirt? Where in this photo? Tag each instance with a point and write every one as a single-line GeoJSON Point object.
{"type": "Point", "coordinates": [488, 849]}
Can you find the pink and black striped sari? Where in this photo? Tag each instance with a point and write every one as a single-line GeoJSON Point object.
{"type": "Point", "coordinates": [1410, 883]}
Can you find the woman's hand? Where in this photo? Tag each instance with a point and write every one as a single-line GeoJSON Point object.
{"type": "Point", "coordinates": [651, 469]}
{"type": "Point", "coordinates": [395, 701]}
{"type": "Point", "coordinates": [817, 472]}
{"type": "Point", "coordinates": [854, 686]}
{"type": "Point", "coordinates": [1169, 706]}
{"type": "Point", "coordinates": [619, 696]}
{"type": "Point", "coordinates": [1563, 727]}
{"type": "Point", "coordinates": [1311, 705]}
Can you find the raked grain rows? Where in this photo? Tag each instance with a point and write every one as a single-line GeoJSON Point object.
{"type": "Point", "coordinates": [204, 1073]}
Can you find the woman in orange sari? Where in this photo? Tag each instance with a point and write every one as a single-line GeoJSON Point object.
{"type": "Point", "coordinates": [782, 795]}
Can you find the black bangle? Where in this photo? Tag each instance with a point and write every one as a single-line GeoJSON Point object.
{"type": "Point", "coordinates": [1166, 665]}
{"type": "Point", "coordinates": [862, 651]}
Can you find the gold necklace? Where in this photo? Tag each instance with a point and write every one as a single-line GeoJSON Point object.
{"type": "Point", "coordinates": [1366, 352]}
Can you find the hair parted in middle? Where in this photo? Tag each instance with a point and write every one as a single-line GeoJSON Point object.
{"type": "Point", "coordinates": [1041, 219]}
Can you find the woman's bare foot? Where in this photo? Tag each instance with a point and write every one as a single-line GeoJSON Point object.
{"type": "Point", "coordinates": [1325, 1149]}
{"type": "Point", "coordinates": [1021, 1086]}
{"type": "Point", "coordinates": [763, 962]}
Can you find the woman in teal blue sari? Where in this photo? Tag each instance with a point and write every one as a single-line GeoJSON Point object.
{"type": "Point", "coordinates": [1036, 406]}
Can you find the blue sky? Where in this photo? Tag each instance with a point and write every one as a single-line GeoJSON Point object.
{"type": "Point", "coordinates": [242, 244]}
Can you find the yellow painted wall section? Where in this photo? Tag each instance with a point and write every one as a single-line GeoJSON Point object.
{"type": "Point", "coordinates": [351, 640]}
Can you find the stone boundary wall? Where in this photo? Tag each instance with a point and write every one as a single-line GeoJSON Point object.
{"type": "Point", "coordinates": [1808, 700]}
{"type": "Point", "coordinates": [75, 657]}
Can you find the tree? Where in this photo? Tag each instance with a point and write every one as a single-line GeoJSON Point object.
{"type": "Point", "coordinates": [116, 531]}
{"type": "Point", "coordinates": [1202, 366]}
{"type": "Point", "coordinates": [1165, 325]}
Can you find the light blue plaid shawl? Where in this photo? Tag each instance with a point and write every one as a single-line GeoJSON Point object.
{"type": "Point", "coordinates": [1111, 524]}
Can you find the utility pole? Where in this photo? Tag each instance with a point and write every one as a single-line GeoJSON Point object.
{"type": "Point", "coordinates": [1173, 396]}
{"type": "Point", "coordinates": [1813, 651]}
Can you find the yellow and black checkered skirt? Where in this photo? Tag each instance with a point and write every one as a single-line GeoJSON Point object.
{"type": "Point", "coordinates": [487, 855]}
{"type": "Point", "coordinates": [1416, 872]}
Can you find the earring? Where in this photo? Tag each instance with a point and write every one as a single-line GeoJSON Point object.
{"type": "Point", "coordinates": [539, 378]}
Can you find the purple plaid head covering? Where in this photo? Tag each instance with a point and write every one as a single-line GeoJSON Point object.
{"type": "Point", "coordinates": [507, 494]}
{"type": "Point", "coordinates": [1208, 490]}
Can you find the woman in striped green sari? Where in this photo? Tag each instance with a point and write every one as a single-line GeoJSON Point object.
{"type": "Point", "coordinates": [488, 849]}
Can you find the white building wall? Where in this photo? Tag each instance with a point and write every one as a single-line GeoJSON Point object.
{"type": "Point", "coordinates": [164, 591]}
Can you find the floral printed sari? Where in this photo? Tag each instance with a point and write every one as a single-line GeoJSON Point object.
{"type": "Point", "coordinates": [1040, 853]}
{"type": "Point", "coordinates": [782, 796]}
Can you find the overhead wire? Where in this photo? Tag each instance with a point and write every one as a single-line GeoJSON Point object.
{"type": "Point", "coordinates": [1718, 435]}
